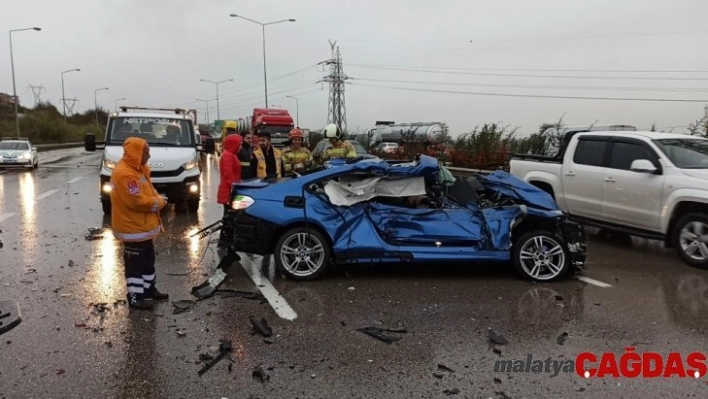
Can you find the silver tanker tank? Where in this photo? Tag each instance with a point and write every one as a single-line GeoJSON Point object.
{"type": "Point", "coordinates": [430, 133]}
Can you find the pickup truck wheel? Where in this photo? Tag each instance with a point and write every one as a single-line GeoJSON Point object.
{"type": "Point", "coordinates": [302, 254]}
{"type": "Point", "coordinates": [691, 240]}
{"type": "Point", "coordinates": [193, 205]}
{"type": "Point", "coordinates": [106, 205]}
{"type": "Point", "coordinates": [540, 255]}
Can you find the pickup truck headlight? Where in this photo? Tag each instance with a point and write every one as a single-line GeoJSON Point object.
{"type": "Point", "coordinates": [191, 164]}
{"type": "Point", "coordinates": [109, 164]}
{"type": "Point", "coordinates": [241, 202]}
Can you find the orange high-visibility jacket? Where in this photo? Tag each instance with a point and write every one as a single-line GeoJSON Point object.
{"type": "Point", "coordinates": [135, 205]}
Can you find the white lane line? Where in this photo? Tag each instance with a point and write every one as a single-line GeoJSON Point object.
{"type": "Point", "coordinates": [45, 195]}
{"type": "Point", "coordinates": [594, 282]}
{"type": "Point", "coordinates": [5, 216]}
{"type": "Point", "coordinates": [74, 180]}
{"type": "Point", "coordinates": [277, 301]}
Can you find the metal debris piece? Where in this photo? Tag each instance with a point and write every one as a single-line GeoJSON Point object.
{"type": "Point", "coordinates": [497, 338]}
{"type": "Point", "coordinates": [260, 375]}
{"type": "Point", "coordinates": [261, 327]}
{"type": "Point", "coordinates": [561, 338]}
{"type": "Point", "coordinates": [378, 333]}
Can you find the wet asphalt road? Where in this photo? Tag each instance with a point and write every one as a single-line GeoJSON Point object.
{"type": "Point", "coordinates": [67, 347]}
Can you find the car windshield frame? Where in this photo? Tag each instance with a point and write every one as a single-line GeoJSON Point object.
{"type": "Point", "coordinates": [156, 137]}
{"type": "Point", "coordinates": [15, 147]}
{"type": "Point", "coordinates": [696, 146]}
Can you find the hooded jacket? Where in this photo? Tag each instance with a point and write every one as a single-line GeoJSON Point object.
{"type": "Point", "coordinates": [229, 168]}
{"type": "Point", "coordinates": [135, 203]}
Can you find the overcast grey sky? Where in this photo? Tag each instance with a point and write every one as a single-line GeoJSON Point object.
{"type": "Point", "coordinates": [154, 52]}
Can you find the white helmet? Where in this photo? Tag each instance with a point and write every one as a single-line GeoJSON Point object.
{"type": "Point", "coordinates": [332, 131]}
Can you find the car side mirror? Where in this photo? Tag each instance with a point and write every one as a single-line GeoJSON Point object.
{"type": "Point", "coordinates": [643, 166]}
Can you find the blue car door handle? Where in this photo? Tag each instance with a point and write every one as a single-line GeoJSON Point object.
{"type": "Point", "coordinates": [294, 202]}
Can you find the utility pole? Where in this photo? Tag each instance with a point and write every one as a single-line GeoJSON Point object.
{"type": "Point", "coordinates": [63, 96]}
{"type": "Point", "coordinates": [337, 112]}
{"type": "Point", "coordinates": [218, 111]}
{"type": "Point", "coordinates": [95, 102]}
{"type": "Point", "coordinates": [70, 107]}
{"type": "Point", "coordinates": [16, 99]}
{"type": "Point", "coordinates": [37, 91]}
{"type": "Point", "coordinates": [207, 108]}
{"type": "Point", "coordinates": [297, 110]}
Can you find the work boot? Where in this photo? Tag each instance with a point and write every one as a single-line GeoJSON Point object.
{"type": "Point", "coordinates": [138, 302]}
{"type": "Point", "coordinates": [156, 295]}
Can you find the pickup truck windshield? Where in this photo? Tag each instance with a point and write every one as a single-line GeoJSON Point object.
{"type": "Point", "coordinates": [685, 153]}
{"type": "Point", "coordinates": [172, 132]}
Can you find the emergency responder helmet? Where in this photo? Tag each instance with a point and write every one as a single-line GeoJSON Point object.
{"type": "Point", "coordinates": [296, 133]}
{"type": "Point", "coordinates": [332, 131]}
{"type": "Point", "coordinates": [230, 125]}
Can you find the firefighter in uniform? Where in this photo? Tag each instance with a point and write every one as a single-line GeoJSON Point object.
{"type": "Point", "coordinates": [340, 148]}
{"type": "Point", "coordinates": [135, 219]}
{"type": "Point", "coordinates": [267, 161]}
{"type": "Point", "coordinates": [296, 157]}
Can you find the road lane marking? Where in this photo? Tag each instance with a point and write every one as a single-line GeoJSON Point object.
{"type": "Point", "coordinates": [74, 180]}
{"type": "Point", "coordinates": [276, 300]}
{"type": "Point", "coordinates": [45, 195]}
{"type": "Point", "coordinates": [5, 216]}
{"type": "Point", "coordinates": [594, 282]}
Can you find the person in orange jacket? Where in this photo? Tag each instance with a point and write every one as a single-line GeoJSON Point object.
{"type": "Point", "coordinates": [229, 173]}
{"type": "Point", "coordinates": [135, 219]}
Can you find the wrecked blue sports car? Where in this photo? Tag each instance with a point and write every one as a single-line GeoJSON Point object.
{"type": "Point", "coordinates": [376, 211]}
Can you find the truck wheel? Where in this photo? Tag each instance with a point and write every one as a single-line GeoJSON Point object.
{"type": "Point", "coordinates": [106, 205]}
{"type": "Point", "coordinates": [690, 240]}
{"type": "Point", "coordinates": [193, 205]}
{"type": "Point", "coordinates": [302, 254]}
{"type": "Point", "coordinates": [540, 255]}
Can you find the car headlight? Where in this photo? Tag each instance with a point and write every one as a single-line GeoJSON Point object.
{"type": "Point", "coordinates": [25, 155]}
{"type": "Point", "coordinates": [241, 202]}
{"type": "Point", "coordinates": [191, 164]}
{"type": "Point", "coordinates": [109, 164]}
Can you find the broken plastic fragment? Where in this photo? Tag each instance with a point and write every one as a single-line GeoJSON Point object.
{"type": "Point", "coordinates": [497, 338]}
{"type": "Point", "coordinates": [261, 327]}
{"type": "Point", "coordinates": [378, 333]}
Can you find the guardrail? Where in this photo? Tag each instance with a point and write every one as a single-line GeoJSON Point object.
{"type": "Point", "coordinates": [48, 147]}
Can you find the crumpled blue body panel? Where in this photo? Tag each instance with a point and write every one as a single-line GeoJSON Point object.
{"type": "Point", "coordinates": [382, 231]}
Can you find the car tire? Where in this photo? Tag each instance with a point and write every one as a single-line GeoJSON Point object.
{"type": "Point", "coordinates": [315, 246]}
{"type": "Point", "coordinates": [106, 205]}
{"type": "Point", "coordinates": [551, 261]}
{"type": "Point", "coordinates": [193, 205]}
{"type": "Point", "coordinates": [683, 237]}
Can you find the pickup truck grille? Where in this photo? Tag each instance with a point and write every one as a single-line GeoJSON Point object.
{"type": "Point", "coordinates": [171, 173]}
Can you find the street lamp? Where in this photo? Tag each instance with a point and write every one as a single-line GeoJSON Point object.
{"type": "Point", "coordinates": [263, 25]}
{"type": "Point", "coordinates": [95, 102]}
{"type": "Point", "coordinates": [218, 112]}
{"type": "Point", "coordinates": [207, 108]}
{"type": "Point", "coordinates": [116, 102]}
{"type": "Point", "coordinates": [297, 110]}
{"type": "Point", "coordinates": [63, 96]}
{"type": "Point", "coordinates": [14, 86]}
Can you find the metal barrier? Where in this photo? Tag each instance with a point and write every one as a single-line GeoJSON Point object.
{"type": "Point", "coordinates": [48, 147]}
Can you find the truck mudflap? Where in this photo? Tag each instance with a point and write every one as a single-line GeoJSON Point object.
{"type": "Point", "coordinates": [575, 238]}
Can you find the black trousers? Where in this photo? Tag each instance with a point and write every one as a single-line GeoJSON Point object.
{"type": "Point", "coordinates": [226, 235]}
{"type": "Point", "coordinates": [139, 261]}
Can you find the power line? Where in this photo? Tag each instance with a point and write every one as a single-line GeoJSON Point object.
{"type": "Point", "coordinates": [519, 75]}
{"type": "Point", "coordinates": [537, 70]}
{"type": "Point", "coordinates": [536, 95]}
{"type": "Point", "coordinates": [669, 89]}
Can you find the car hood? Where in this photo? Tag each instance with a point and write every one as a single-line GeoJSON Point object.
{"type": "Point", "coordinates": [161, 158]}
{"type": "Point", "coordinates": [696, 173]}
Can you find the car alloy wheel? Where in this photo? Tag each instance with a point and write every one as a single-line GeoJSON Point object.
{"type": "Point", "coordinates": [302, 254]}
{"type": "Point", "coordinates": [691, 240]}
{"type": "Point", "coordinates": [541, 256]}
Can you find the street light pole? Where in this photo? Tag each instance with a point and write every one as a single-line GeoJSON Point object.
{"type": "Point", "coordinates": [116, 102]}
{"type": "Point", "coordinates": [297, 110]}
{"type": "Point", "coordinates": [63, 96]}
{"type": "Point", "coordinates": [218, 111]}
{"type": "Point", "coordinates": [14, 86]}
{"type": "Point", "coordinates": [95, 102]}
{"type": "Point", "coordinates": [263, 25]}
{"type": "Point", "coordinates": [207, 108]}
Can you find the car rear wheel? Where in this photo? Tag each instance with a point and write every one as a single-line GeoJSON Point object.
{"type": "Point", "coordinates": [691, 240]}
{"type": "Point", "coordinates": [541, 256]}
{"type": "Point", "coordinates": [302, 254]}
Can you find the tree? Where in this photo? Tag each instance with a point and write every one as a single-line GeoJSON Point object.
{"type": "Point", "coordinates": [700, 127]}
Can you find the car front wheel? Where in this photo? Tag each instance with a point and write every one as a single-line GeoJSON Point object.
{"type": "Point", "coordinates": [691, 240]}
{"type": "Point", "coordinates": [302, 254]}
{"type": "Point", "coordinates": [541, 256]}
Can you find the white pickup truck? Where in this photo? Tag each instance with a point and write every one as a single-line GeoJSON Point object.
{"type": "Point", "coordinates": [646, 184]}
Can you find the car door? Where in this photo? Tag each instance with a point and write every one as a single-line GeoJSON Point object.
{"type": "Point", "coordinates": [582, 177]}
{"type": "Point", "coordinates": [632, 198]}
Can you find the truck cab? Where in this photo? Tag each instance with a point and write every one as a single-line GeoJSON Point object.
{"type": "Point", "coordinates": [175, 147]}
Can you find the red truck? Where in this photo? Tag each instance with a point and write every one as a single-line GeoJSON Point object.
{"type": "Point", "coordinates": [276, 121]}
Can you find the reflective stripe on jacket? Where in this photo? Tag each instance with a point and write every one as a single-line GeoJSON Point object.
{"type": "Point", "coordinates": [261, 172]}
{"type": "Point", "coordinates": [293, 157]}
{"type": "Point", "coordinates": [135, 203]}
{"type": "Point", "coordinates": [343, 149]}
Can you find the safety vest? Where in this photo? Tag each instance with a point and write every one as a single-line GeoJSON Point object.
{"type": "Point", "coordinates": [262, 162]}
{"type": "Point", "coordinates": [293, 157]}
